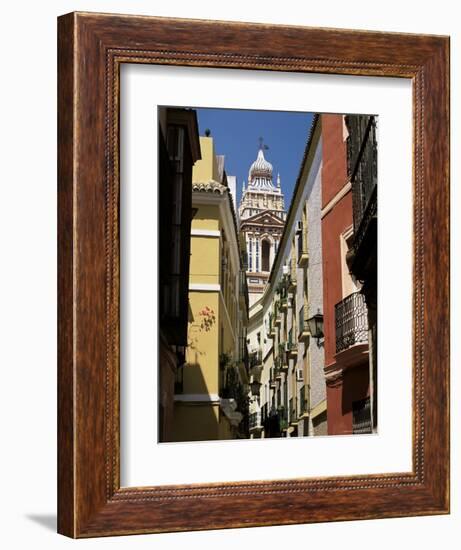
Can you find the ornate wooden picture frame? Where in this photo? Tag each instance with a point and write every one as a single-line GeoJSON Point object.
{"type": "Point", "coordinates": [92, 48]}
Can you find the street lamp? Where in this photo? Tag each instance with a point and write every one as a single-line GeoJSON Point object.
{"type": "Point", "coordinates": [315, 324]}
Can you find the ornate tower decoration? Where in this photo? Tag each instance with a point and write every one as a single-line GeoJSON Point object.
{"type": "Point", "coordinates": [262, 219]}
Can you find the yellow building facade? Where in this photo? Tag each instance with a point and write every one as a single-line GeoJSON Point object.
{"type": "Point", "coordinates": [212, 387]}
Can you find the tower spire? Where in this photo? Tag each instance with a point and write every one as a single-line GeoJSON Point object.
{"type": "Point", "coordinates": [278, 181]}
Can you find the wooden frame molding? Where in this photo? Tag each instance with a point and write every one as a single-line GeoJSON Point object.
{"type": "Point", "coordinates": [91, 48]}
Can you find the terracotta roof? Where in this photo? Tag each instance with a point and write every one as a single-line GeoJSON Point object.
{"type": "Point", "coordinates": [210, 187]}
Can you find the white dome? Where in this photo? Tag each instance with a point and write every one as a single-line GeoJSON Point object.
{"type": "Point", "coordinates": [261, 167]}
{"type": "Point", "coordinates": [260, 174]}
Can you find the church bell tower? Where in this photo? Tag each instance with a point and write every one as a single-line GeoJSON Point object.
{"type": "Point", "coordinates": [262, 219]}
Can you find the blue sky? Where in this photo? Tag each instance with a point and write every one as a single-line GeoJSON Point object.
{"type": "Point", "coordinates": [236, 135]}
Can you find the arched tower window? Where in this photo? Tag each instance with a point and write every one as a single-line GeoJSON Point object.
{"type": "Point", "coordinates": [265, 255]}
{"type": "Point", "coordinates": [250, 254]}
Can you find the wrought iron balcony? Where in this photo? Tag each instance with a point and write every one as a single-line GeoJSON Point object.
{"type": "Point", "coordinates": [285, 362]}
{"type": "Point", "coordinates": [283, 421]}
{"type": "Point", "coordinates": [255, 423]}
{"type": "Point", "coordinates": [282, 291]}
{"type": "Point", "coordinates": [292, 345]}
{"type": "Point", "coordinates": [278, 368]}
{"type": "Point", "coordinates": [303, 254]}
{"type": "Point", "coordinates": [244, 356]}
{"type": "Point", "coordinates": [292, 280]}
{"type": "Point", "coordinates": [362, 167]}
{"type": "Point", "coordinates": [293, 411]}
{"type": "Point", "coordinates": [362, 256]}
{"type": "Point", "coordinates": [277, 316]}
{"type": "Point", "coordinates": [255, 362]}
{"type": "Point", "coordinates": [351, 322]}
{"type": "Point", "coordinates": [256, 358]}
{"type": "Point", "coordinates": [362, 163]}
{"type": "Point", "coordinates": [304, 333]}
{"type": "Point", "coordinates": [303, 401]}
{"type": "Point", "coordinates": [232, 389]}
{"type": "Point", "coordinates": [282, 287]}
{"type": "Point", "coordinates": [243, 290]}
{"type": "Point", "coordinates": [271, 331]}
{"type": "Point", "coordinates": [272, 381]}
{"type": "Point", "coordinates": [283, 356]}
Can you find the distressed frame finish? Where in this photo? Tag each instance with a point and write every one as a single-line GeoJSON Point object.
{"type": "Point", "coordinates": [91, 49]}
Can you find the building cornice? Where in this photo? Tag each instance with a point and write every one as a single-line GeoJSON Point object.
{"type": "Point", "coordinates": [319, 408]}
{"type": "Point", "coordinates": [205, 233]}
{"type": "Point", "coordinates": [205, 287]}
{"type": "Point", "coordinates": [334, 201]}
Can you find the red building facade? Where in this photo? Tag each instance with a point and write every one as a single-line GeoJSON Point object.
{"type": "Point", "coordinates": [345, 315]}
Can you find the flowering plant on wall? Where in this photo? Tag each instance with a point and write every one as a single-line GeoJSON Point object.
{"type": "Point", "coordinates": [208, 318]}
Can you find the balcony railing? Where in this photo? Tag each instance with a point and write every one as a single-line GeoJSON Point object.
{"type": "Point", "coordinates": [303, 255]}
{"type": "Point", "coordinates": [293, 411]}
{"type": "Point", "coordinates": [255, 421]}
{"type": "Point", "coordinates": [292, 280]}
{"type": "Point", "coordinates": [303, 326]}
{"type": "Point", "coordinates": [351, 322]}
{"type": "Point", "coordinates": [303, 403]}
{"type": "Point", "coordinates": [271, 331]}
{"type": "Point", "coordinates": [282, 287]}
{"type": "Point", "coordinates": [255, 359]}
{"type": "Point", "coordinates": [283, 356]}
{"type": "Point", "coordinates": [278, 368]}
{"type": "Point", "coordinates": [283, 421]}
{"type": "Point", "coordinates": [243, 352]}
{"type": "Point", "coordinates": [243, 289]}
{"type": "Point", "coordinates": [362, 163]}
{"type": "Point", "coordinates": [292, 344]}
{"type": "Point", "coordinates": [277, 316]}
{"type": "Point", "coordinates": [282, 290]}
{"type": "Point", "coordinates": [272, 381]}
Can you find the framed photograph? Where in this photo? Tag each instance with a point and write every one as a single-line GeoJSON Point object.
{"type": "Point", "coordinates": [253, 258]}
